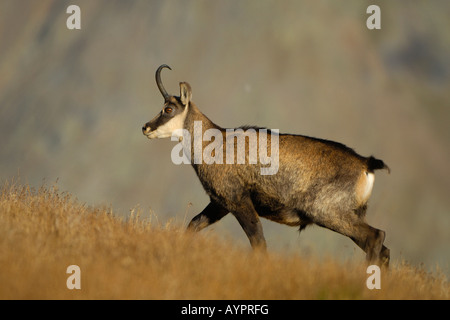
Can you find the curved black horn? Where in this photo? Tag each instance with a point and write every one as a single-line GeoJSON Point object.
{"type": "Point", "coordinates": [159, 82]}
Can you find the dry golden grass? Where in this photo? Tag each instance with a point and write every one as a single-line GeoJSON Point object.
{"type": "Point", "coordinates": [44, 231]}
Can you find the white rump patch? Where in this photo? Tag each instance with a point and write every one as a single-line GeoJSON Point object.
{"type": "Point", "coordinates": [367, 190]}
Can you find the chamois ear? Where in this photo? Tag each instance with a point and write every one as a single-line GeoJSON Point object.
{"type": "Point", "coordinates": [185, 93]}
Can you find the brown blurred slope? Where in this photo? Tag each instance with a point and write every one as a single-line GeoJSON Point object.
{"type": "Point", "coordinates": [72, 102]}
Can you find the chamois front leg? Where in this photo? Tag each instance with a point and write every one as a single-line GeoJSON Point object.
{"type": "Point", "coordinates": [248, 218]}
{"type": "Point", "coordinates": [212, 213]}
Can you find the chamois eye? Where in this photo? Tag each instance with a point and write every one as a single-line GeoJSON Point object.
{"type": "Point", "coordinates": [168, 110]}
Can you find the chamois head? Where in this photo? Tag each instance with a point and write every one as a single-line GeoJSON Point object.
{"type": "Point", "coordinates": [173, 113]}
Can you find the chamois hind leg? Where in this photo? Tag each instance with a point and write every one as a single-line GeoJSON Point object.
{"type": "Point", "coordinates": [248, 218]}
{"type": "Point", "coordinates": [212, 213]}
{"type": "Point", "coordinates": [369, 239]}
{"type": "Point", "coordinates": [372, 244]}
{"type": "Point", "coordinates": [382, 256]}
{"type": "Point", "coordinates": [385, 256]}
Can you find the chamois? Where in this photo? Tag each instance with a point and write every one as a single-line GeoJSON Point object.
{"type": "Point", "coordinates": [316, 181]}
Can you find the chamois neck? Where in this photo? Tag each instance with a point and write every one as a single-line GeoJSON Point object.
{"type": "Point", "coordinates": [196, 123]}
{"type": "Point", "coordinates": [193, 115]}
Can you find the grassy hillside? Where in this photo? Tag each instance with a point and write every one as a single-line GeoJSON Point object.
{"type": "Point", "coordinates": [44, 231]}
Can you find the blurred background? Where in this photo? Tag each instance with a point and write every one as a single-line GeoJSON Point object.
{"type": "Point", "coordinates": [72, 103]}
